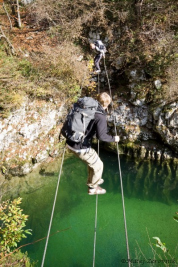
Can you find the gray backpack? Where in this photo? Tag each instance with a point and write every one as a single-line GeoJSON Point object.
{"type": "Point", "coordinates": [78, 119]}
{"type": "Point", "coordinates": [99, 44]}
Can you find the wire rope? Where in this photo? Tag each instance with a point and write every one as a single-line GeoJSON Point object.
{"type": "Point", "coordinates": [94, 247]}
{"type": "Point", "coordinates": [120, 174]}
{"type": "Point", "coordinates": [52, 213]}
{"type": "Point", "coordinates": [96, 207]}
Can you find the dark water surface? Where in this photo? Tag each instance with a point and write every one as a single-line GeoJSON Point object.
{"type": "Point", "coordinates": [151, 200]}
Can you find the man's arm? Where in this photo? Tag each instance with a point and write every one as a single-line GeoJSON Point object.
{"type": "Point", "coordinates": [102, 129]}
{"type": "Point", "coordinates": [102, 51]}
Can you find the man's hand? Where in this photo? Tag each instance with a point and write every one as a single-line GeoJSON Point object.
{"type": "Point", "coordinates": [117, 138]}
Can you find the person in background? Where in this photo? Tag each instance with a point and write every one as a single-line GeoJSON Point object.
{"type": "Point", "coordinates": [101, 50]}
{"type": "Point", "coordinates": [85, 152]}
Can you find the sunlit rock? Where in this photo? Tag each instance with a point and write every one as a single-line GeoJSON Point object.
{"type": "Point", "coordinates": [157, 84]}
{"type": "Point", "coordinates": [167, 125]}
{"type": "Point", "coordinates": [30, 132]}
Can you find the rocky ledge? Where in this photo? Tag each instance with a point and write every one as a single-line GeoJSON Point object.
{"type": "Point", "coordinates": [30, 135]}
{"type": "Point", "coordinates": [147, 132]}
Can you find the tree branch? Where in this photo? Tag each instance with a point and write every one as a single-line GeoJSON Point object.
{"type": "Point", "coordinates": [7, 40]}
{"type": "Point", "coordinates": [7, 15]}
{"type": "Point", "coordinates": [18, 14]}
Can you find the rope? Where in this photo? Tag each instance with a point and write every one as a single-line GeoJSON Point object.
{"type": "Point", "coordinates": [123, 204]}
{"type": "Point", "coordinates": [98, 83]}
{"type": "Point", "coordinates": [94, 248]}
{"type": "Point", "coordinates": [108, 82]}
{"type": "Point", "coordinates": [52, 213]}
{"type": "Point", "coordinates": [96, 209]}
{"type": "Point", "coordinates": [120, 173]}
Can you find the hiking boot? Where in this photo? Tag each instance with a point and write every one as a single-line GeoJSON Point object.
{"type": "Point", "coordinates": [96, 191]}
{"type": "Point", "coordinates": [101, 181]}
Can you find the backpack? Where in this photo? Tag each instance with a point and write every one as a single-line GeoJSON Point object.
{"type": "Point", "coordinates": [100, 45]}
{"type": "Point", "coordinates": [78, 119]}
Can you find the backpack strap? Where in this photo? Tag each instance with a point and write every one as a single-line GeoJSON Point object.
{"type": "Point", "coordinates": [99, 46]}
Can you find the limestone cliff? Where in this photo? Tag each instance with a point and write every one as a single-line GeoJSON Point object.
{"type": "Point", "coordinates": [46, 65]}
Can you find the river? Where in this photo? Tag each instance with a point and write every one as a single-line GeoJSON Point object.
{"type": "Point", "coordinates": [151, 200]}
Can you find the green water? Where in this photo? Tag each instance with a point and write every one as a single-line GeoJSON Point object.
{"type": "Point", "coordinates": [151, 201]}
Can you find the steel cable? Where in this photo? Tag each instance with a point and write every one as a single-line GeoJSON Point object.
{"type": "Point", "coordinates": [96, 209]}
{"type": "Point", "coordinates": [120, 173]}
{"type": "Point", "coordinates": [52, 213]}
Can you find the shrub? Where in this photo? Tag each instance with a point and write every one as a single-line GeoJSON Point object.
{"type": "Point", "coordinates": [12, 224]}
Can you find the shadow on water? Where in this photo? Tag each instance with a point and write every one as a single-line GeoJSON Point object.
{"type": "Point", "coordinates": [144, 180]}
{"type": "Point", "coordinates": [150, 201]}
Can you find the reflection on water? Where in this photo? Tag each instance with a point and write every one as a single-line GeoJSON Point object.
{"type": "Point", "coordinates": [150, 181]}
{"type": "Point", "coordinates": [151, 200]}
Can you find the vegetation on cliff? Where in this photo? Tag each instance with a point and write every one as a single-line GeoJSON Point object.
{"type": "Point", "coordinates": [41, 57]}
{"type": "Point", "coordinates": [12, 223]}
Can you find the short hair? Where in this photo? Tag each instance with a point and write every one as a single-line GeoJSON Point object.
{"type": "Point", "coordinates": [92, 45]}
{"type": "Point", "coordinates": [104, 99]}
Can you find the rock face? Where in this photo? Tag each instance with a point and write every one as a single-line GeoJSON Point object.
{"type": "Point", "coordinates": [153, 127]}
{"type": "Point", "coordinates": [167, 124]}
{"type": "Point", "coordinates": [131, 121]}
{"type": "Point", "coordinates": [29, 136]}
{"type": "Point", "coordinates": [137, 120]}
{"type": "Point", "coordinates": [146, 132]}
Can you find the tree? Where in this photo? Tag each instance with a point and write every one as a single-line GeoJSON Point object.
{"type": "Point", "coordinates": [15, 7]}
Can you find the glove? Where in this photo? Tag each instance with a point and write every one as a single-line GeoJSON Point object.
{"type": "Point", "coordinates": [117, 138]}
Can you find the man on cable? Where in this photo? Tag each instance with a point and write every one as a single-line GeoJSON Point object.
{"type": "Point", "coordinates": [86, 153]}
{"type": "Point", "coordinates": [99, 47]}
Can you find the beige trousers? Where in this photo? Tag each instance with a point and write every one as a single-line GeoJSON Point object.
{"type": "Point", "coordinates": [95, 165]}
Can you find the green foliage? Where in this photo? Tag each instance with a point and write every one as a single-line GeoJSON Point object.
{"type": "Point", "coordinates": [17, 259]}
{"type": "Point", "coordinates": [9, 99]}
{"type": "Point", "coordinates": [12, 224]}
{"type": "Point", "coordinates": [143, 33]}
{"type": "Point", "coordinates": [74, 92]}
{"type": "Point", "coordinates": [26, 68]}
{"type": "Point", "coordinates": [52, 76]}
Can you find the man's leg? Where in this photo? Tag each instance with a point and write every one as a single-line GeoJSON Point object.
{"type": "Point", "coordinates": [97, 59]}
{"type": "Point", "coordinates": [90, 175]}
{"type": "Point", "coordinates": [95, 166]}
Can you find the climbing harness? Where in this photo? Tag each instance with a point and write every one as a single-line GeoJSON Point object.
{"type": "Point", "coordinates": [120, 174]}
{"type": "Point", "coordinates": [54, 203]}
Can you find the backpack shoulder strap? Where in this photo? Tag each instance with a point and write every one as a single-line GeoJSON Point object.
{"type": "Point", "coordinates": [100, 46]}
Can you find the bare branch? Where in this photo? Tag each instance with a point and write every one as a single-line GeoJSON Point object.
{"type": "Point", "coordinates": [7, 15]}
{"type": "Point", "coordinates": [18, 14]}
{"type": "Point", "coordinates": [7, 40]}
